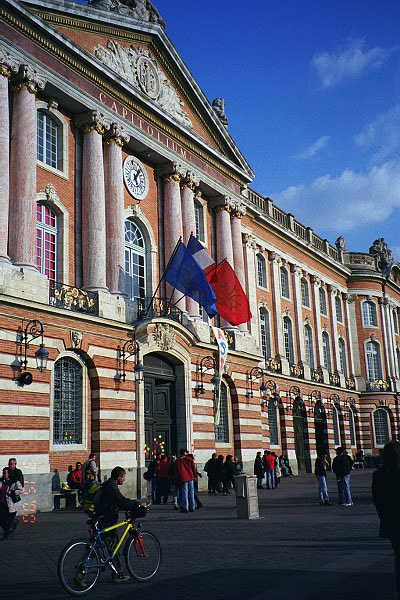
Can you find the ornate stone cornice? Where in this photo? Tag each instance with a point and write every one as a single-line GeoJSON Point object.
{"type": "Point", "coordinates": [93, 120]}
{"type": "Point", "coordinates": [8, 64]}
{"type": "Point", "coordinates": [118, 134]}
{"type": "Point", "coordinates": [29, 78]}
{"type": "Point", "coordinates": [172, 172]}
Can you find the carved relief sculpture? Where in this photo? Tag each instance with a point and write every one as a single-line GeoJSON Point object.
{"type": "Point", "coordinates": [139, 68]}
{"type": "Point", "coordinates": [138, 9]}
{"type": "Point", "coordinates": [164, 336]}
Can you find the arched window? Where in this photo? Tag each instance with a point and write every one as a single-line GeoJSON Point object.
{"type": "Point", "coordinates": [261, 271]}
{"type": "Point", "coordinates": [135, 261]}
{"type": "Point", "coordinates": [199, 220]}
{"type": "Point", "coordinates": [305, 292]}
{"type": "Point", "coordinates": [326, 350]}
{"type": "Point", "coordinates": [46, 241]}
{"type": "Point", "coordinates": [339, 310]}
{"type": "Point", "coordinates": [49, 140]}
{"type": "Point", "coordinates": [284, 283]}
{"type": "Point", "coordinates": [342, 356]}
{"type": "Point", "coordinates": [222, 430]}
{"type": "Point", "coordinates": [273, 422]}
{"type": "Point", "coordinates": [308, 346]}
{"type": "Point", "coordinates": [374, 365]}
{"type": "Point", "coordinates": [68, 402]}
{"type": "Point", "coordinates": [288, 339]}
{"type": "Point", "coordinates": [370, 318]}
{"type": "Point", "coordinates": [322, 301]}
{"type": "Point", "coordinates": [381, 423]}
{"type": "Point", "coordinates": [336, 428]}
{"type": "Point", "coordinates": [352, 428]}
{"type": "Point", "coordinates": [265, 333]}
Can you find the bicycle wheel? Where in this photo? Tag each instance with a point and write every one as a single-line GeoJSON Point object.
{"type": "Point", "coordinates": [78, 567]}
{"type": "Point", "coordinates": [143, 556]}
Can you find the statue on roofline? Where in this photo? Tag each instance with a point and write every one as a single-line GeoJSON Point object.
{"type": "Point", "coordinates": [138, 9]}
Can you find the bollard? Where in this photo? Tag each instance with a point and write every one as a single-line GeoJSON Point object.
{"type": "Point", "coordinates": [246, 497]}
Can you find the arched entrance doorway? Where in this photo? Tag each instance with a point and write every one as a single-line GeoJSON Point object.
{"type": "Point", "coordinates": [164, 405]}
{"type": "Point", "coordinates": [301, 440]}
{"type": "Point", "coordinates": [321, 430]}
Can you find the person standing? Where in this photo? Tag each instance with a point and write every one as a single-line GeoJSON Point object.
{"type": "Point", "coordinates": [185, 471]}
{"type": "Point", "coordinates": [386, 496]}
{"type": "Point", "coordinates": [259, 470]}
{"type": "Point", "coordinates": [162, 477]}
{"type": "Point", "coordinates": [211, 469]}
{"type": "Point", "coordinates": [269, 466]}
{"type": "Point", "coordinates": [341, 466]}
{"type": "Point", "coordinates": [173, 483]}
{"type": "Point", "coordinates": [229, 479]}
{"type": "Point", "coordinates": [320, 473]}
{"type": "Point", "coordinates": [92, 465]}
{"type": "Point", "coordinates": [220, 475]}
{"type": "Point", "coordinates": [10, 497]}
{"type": "Point", "coordinates": [15, 473]}
{"type": "Point", "coordinates": [151, 469]}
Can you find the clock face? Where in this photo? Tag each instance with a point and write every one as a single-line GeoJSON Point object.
{"type": "Point", "coordinates": [135, 178]}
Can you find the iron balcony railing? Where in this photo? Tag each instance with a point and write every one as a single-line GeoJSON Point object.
{"type": "Point", "coordinates": [149, 308]}
{"type": "Point", "coordinates": [377, 385]}
{"type": "Point", "coordinates": [72, 298]}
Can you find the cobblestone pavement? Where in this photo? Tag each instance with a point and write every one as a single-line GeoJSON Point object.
{"type": "Point", "coordinates": [296, 550]}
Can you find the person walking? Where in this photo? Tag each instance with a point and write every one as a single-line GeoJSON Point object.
{"type": "Point", "coordinates": [278, 473]}
{"type": "Point", "coordinates": [229, 479]}
{"type": "Point", "coordinates": [10, 497]}
{"type": "Point", "coordinates": [211, 469]}
{"type": "Point", "coordinates": [259, 470]}
{"type": "Point", "coordinates": [386, 497]}
{"type": "Point", "coordinates": [341, 466]}
{"type": "Point", "coordinates": [185, 471]}
{"type": "Point", "coordinates": [15, 473]}
{"type": "Point", "coordinates": [321, 465]}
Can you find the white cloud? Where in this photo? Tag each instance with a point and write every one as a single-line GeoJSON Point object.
{"type": "Point", "coordinates": [343, 203]}
{"type": "Point", "coordinates": [381, 135]}
{"type": "Point", "coordinates": [347, 63]}
{"type": "Point", "coordinates": [318, 145]}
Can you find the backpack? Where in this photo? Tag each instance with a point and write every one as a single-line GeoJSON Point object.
{"type": "Point", "coordinates": [91, 499]}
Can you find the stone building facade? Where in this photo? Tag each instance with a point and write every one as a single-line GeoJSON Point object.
{"type": "Point", "coordinates": [109, 154]}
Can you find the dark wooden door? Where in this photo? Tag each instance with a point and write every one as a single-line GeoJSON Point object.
{"type": "Point", "coordinates": [159, 417]}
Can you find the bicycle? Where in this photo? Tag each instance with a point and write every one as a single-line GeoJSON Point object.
{"type": "Point", "coordinates": [82, 560]}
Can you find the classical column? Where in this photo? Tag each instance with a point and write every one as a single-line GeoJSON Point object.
{"type": "Point", "coordinates": [7, 66]}
{"type": "Point", "coordinates": [277, 306]}
{"type": "Point", "coordinates": [188, 187]}
{"type": "Point", "coordinates": [332, 291]}
{"type": "Point", "coordinates": [297, 274]}
{"type": "Point", "coordinates": [173, 227]}
{"type": "Point", "coordinates": [385, 338]}
{"type": "Point", "coordinates": [22, 223]}
{"type": "Point", "coordinates": [237, 213]}
{"type": "Point", "coordinates": [349, 335]}
{"type": "Point", "coordinates": [393, 341]}
{"type": "Point", "coordinates": [251, 251]}
{"type": "Point", "coordinates": [93, 124]}
{"type": "Point", "coordinates": [315, 283]}
{"type": "Point", "coordinates": [222, 207]}
{"type": "Point", "coordinates": [115, 138]}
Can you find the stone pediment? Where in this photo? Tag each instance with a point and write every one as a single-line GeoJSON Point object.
{"type": "Point", "coordinates": [139, 68]}
{"type": "Point", "coordinates": [142, 10]}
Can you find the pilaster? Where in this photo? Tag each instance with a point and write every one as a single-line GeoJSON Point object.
{"type": "Point", "coordinates": [315, 284]}
{"type": "Point", "coordinates": [250, 259]}
{"type": "Point", "coordinates": [189, 184]}
{"type": "Point", "coordinates": [237, 213]}
{"type": "Point", "coordinates": [297, 275]}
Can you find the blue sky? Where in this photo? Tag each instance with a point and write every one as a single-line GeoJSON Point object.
{"type": "Point", "coordinates": [312, 92]}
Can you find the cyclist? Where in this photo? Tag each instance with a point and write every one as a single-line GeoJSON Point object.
{"type": "Point", "coordinates": [108, 502]}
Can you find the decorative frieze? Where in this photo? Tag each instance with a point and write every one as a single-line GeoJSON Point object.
{"type": "Point", "coordinates": [138, 67]}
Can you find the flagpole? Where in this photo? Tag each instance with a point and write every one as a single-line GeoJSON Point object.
{"type": "Point", "coordinates": [162, 276]}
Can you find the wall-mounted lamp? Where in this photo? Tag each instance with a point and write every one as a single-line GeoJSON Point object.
{"type": "Point", "coordinates": [25, 335]}
{"type": "Point", "coordinates": [292, 393]}
{"type": "Point", "coordinates": [130, 348]}
{"type": "Point", "coordinates": [334, 399]}
{"type": "Point", "coordinates": [206, 364]}
{"type": "Point", "coordinates": [251, 376]}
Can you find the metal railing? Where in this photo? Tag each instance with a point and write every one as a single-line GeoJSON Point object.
{"type": "Point", "coordinates": [72, 298]}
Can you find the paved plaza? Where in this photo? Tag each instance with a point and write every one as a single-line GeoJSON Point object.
{"type": "Point", "coordinates": [296, 550]}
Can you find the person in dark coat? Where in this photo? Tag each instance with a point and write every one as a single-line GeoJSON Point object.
{"type": "Point", "coordinates": [386, 496]}
{"type": "Point", "coordinates": [211, 468]}
{"type": "Point", "coordinates": [220, 475]}
{"type": "Point", "coordinates": [229, 468]}
{"type": "Point", "coordinates": [259, 470]}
